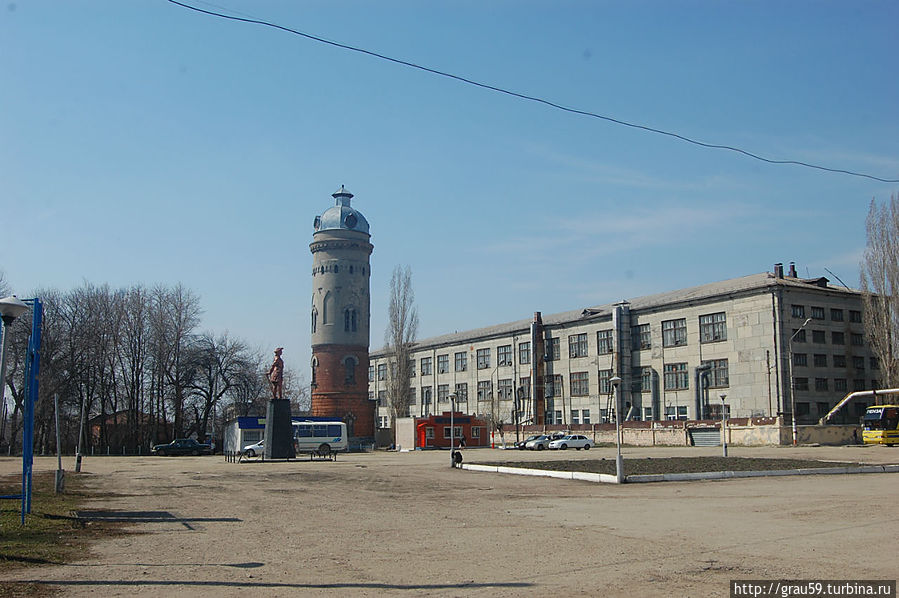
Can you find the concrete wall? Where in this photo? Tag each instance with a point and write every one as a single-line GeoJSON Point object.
{"type": "Point", "coordinates": [405, 433]}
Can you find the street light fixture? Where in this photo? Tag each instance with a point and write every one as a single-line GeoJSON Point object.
{"type": "Point", "coordinates": [615, 381]}
{"type": "Point", "coordinates": [10, 309]}
{"type": "Point", "coordinates": [452, 398]}
{"type": "Point", "coordinates": [723, 425]}
{"type": "Point", "coordinates": [792, 384]}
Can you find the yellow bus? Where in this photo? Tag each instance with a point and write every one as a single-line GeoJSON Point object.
{"type": "Point", "coordinates": [881, 425]}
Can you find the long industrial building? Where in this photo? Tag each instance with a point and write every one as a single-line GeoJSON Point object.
{"type": "Point", "coordinates": [687, 354]}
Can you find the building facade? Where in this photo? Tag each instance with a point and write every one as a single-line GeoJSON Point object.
{"type": "Point", "coordinates": [340, 316]}
{"type": "Point", "coordinates": [687, 354]}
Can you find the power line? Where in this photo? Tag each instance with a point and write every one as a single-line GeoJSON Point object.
{"type": "Point", "coordinates": [536, 99]}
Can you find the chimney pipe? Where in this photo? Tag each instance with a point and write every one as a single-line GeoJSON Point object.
{"type": "Point", "coordinates": [778, 270]}
{"type": "Point", "coordinates": [792, 269]}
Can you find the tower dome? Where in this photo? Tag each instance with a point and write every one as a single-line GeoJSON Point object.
{"type": "Point", "coordinates": [342, 216]}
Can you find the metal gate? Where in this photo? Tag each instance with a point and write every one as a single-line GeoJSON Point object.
{"type": "Point", "coordinates": [706, 436]}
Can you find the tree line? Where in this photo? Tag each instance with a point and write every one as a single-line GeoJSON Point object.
{"type": "Point", "coordinates": [134, 365]}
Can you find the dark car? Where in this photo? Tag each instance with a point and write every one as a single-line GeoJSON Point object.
{"type": "Point", "coordinates": [182, 446]}
{"type": "Point", "coordinates": [520, 445]}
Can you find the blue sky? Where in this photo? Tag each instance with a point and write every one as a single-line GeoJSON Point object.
{"type": "Point", "coordinates": [141, 142]}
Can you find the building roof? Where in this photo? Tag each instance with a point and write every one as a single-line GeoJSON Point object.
{"type": "Point", "coordinates": [342, 216]}
{"type": "Point", "coordinates": [734, 286]}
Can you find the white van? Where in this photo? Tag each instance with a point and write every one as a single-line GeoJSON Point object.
{"type": "Point", "coordinates": [322, 438]}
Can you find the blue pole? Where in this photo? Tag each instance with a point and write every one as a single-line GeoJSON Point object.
{"type": "Point", "coordinates": [32, 369]}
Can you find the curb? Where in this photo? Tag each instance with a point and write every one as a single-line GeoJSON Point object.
{"type": "Point", "coordinates": [604, 478]}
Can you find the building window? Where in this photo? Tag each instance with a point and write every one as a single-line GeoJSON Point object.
{"type": "Point", "coordinates": [800, 383]}
{"type": "Point", "coordinates": [524, 385]}
{"type": "Point", "coordinates": [476, 431]}
{"type": "Point", "coordinates": [604, 342]}
{"type": "Point", "coordinates": [840, 384]}
{"type": "Point", "coordinates": [837, 338]}
{"type": "Point", "coordinates": [575, 419]}
{"type": "Point", "coordinates": [314, 320]}
{"type": "Point", "coordinates": [855, 316]}
{"type": "Point", "coordinates": [800, 359]}
{"type": "Point", "coordinates": [413, 396]}
{"type": "Point", "coordinates": [642, 379]}
{"type": "Point", "coordinates": [676, 376]}
{"type": "Point", "coordinates": [485, 389]}
{"type": "Point", "coordinates": [443, 393]}
{"type": "Point", "coordinates": [411, 365]}
{"type": "Point", "coordinates": [857, 339]}
{"type": "Point", "coordinates": [577, 345]}
{"type": "Point", "coordinates": [605, 386]}
{"type": "Point", "coordinates": [718, 375]}
{"type": "Point", "coordinates": [553, 352]}
{"type": "Point", "coordinates": [349, 320]}
{"type": "Point", "coordinates": [382, 371]}
{"type": "Point", "coordinates": [858, 362]}
{"type": "Point", "coordinates": [858, 384]}
{"type": "Point", "coordinates": [580, 384]}
{"type": "Point", "coordinates": [504, 355]}
{"type": "Point", "coordinates": [676, 412]}
{"type": "Point", "coordinates": [819, 336]}
{"type": "Point", "coordinates": [874, 363]}
{"type": "Point", "coordinates": [483, 359]}
{"type": "Point", "coordinates": [558, 417]}
{"type": "Point", "coordinates": [426, 366]}
{"type": "Point", "coordinates": [820, 360]}
{"type": "Point", "coordinates": [524, 352]}
{"type": "Point", "coordinates": [817, 313]}
{"type": "Point", "coordinates": [504, 389]}
{"type": "Point", "coordinates": [429, 433]}
{"type": "Point", "coordinates": [382, 398]}
{"type": "Point", "coordinates": [349, 370]}
{"type": "Point", "coordinates": [713, 327]}
{"type": "Point", "coordinates": [802, 409]}
{"type": "Point", "coordinates": [585, 416]}
{"type": "Point", "coordinates": [821, 385]}
{"type": "Point", "coordinates": [839, 361]}
{"type": "Point", "coordinates": [442, 364]}
{"type": "Point", "coordinates": [674, 333]}
{"type": "Point", "coordinates": [799, 335]}
{"type": "Point", "coordinates": [457, 432]}
{"type": "Point", "coordinates": [641, 336]}
{"type": "Point", "coordinates": [426, 395]}
{"type": "Point", "coordinates": [798, 311]}
{"type": "Point", "coordinates": [462, 392]}
{"type": "Point", "coordinates": [461, 361]}
{"type": "Point", "coordinates": [553, 386]}
{"type": "Point", "coordinates": [836, 315]}
{"type": "Point", "coordinates": [371, 373]}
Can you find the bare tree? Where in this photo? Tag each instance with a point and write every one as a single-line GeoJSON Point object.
{"type": "Point", "coordinates": [402, 327]}
{"type": "Point", "coordinates": [880, 287]}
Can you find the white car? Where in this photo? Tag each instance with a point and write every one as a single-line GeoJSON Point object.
{"type": "Point", "coordinates": [576, 441]}
{"type": "Point", "coordinates": [251, 450]}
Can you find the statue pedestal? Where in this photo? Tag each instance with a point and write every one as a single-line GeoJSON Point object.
{"type": "Point", "coordinates": [279, 431]}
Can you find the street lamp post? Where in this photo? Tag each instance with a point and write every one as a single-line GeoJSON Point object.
{"type": "Point", "coordinates": [10, 309]}
{"type": "Point", "coordinates": [452, 398]}
{"type": "Point", "coordinates": [792, 384]}
{"type": "Point", "coordinates": [615, 381]}
{"type": "Point", "coordinates": [723, 425]}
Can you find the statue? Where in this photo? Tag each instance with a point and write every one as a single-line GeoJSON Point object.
{"type": "Point", "coordinates": [276, 375]}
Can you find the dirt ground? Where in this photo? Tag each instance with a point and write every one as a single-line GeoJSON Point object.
{"type": "Point", "coordinates": [406, 524]}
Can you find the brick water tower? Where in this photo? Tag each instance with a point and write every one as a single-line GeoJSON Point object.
{"type": "Point", "coordinates": [341, 249]}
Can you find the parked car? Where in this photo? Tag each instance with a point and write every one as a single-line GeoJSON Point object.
{"type": "Point", "coordinates": [520, 445]}
{"type": "Point", "coordinates": [251, 450]}
{"type": "Point", "coordinates": [537, 444]}
{"type": "Point", "coordinates": [576, 441]}
{"type": "Point", "coordinates": [182, 446]}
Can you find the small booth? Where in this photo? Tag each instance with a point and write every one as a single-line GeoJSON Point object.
{"type": "Point", "coordinates": [434, 431]}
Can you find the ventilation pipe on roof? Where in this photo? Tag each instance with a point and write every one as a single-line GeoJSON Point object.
{"type": "Point", "coordinates": [778, 270]}
{"type": "Point", "coordinates": [792, 270]}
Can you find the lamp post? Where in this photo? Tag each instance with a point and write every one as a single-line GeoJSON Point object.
{"type": "Point", "coordinates": [10, 309]}
{"type": "Point", "coordinates": [615, 381]}
{"type": "Point", "coordinates": [792, 384]}
{"type": "Point", "coordinates": [452, 398]}
{"type": "Point", "coordinates": [723, 425]}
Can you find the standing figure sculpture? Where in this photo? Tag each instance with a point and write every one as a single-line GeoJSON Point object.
{"type": "Point", "coordinates": [276, 375]}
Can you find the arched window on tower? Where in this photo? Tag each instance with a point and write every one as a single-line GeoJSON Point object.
{"type": "Point", "coordinates": [349, 320]}
{"type": "Point", "coordinates": [314, 370]}
{"type": "Point", "coordinates": [314, 320]}
{"type": "Point", "coordinates": [326, 308]}
{"type": "Point", "coordinates": [349, 366]}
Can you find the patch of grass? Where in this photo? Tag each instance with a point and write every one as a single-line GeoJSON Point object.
{"type": "Point", "coordinates": [674, 465]}
{"type": "Point", "coordinates": [52, 535]}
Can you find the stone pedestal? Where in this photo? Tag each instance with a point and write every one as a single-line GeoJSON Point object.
{"type": "Point", "coordinates": [279, 431]}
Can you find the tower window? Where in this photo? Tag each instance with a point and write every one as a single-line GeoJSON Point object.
{"type": "Point", "coordinates": [349, 320]}
{"type": "Point", "coordinates": [314, 320]}
{"type": "Point", "coordinates": [349, 365]}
